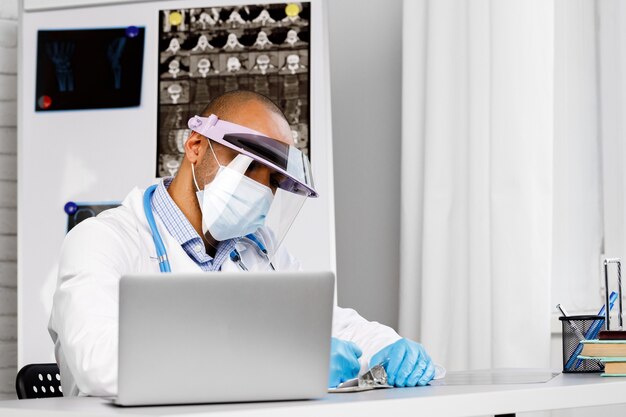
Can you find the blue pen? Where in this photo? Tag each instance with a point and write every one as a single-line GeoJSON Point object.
{"type": "Point", "coordinates": [592, 333]}
{"type": "Point", "coordinates": [595, 328]}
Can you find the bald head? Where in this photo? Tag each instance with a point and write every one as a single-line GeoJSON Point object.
{"type": "Point", "coordinates": [252, 110]}
{"type": "Point", "coordinates": [227, 104]}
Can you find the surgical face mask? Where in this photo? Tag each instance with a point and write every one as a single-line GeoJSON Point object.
{"type": "Point", "coordinates": [232, 205]}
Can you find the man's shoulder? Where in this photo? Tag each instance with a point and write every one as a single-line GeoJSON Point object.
{"type": "Point", "coordinates": [109, 244]}
{"type": "Point", "coordinates": [119, 223]}
{"type": "Point", "coordinates": [113, 220]}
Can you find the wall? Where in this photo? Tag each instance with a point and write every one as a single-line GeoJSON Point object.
{"type": "Point", "coordinates": [365, 71]}
{"type": "Point", "coordinates": [8, 191]}
{"type": "Point", "coordinates": [88, 170]}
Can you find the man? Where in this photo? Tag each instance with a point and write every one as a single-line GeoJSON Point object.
{"type": "Point", "coordinates": [97, 252]}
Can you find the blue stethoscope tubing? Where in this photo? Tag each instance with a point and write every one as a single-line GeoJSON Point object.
{"type": "Point", "coordinates": [164, 263]}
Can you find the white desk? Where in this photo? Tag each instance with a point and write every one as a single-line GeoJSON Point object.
{"type": "Point", "coordinates": [564, 391]}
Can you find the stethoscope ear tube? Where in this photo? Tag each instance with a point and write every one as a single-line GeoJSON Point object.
{"type": "Point", "coordinates": [164, 263]}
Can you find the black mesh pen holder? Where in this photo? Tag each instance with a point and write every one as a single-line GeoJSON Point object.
{"type": "Point", "coordinates": [571, 339]}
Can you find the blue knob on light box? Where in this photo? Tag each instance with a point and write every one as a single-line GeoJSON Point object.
{"type": "Point", "coordinates": [70, 208]}
{"type": "Point", "coordinates": [132, 31]}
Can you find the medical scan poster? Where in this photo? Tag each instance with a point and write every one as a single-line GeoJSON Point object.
{"type": "Point", "coordinates": [204, 52]}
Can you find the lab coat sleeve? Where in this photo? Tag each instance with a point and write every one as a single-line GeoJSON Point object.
{"type": "Point", "coordinates": [370, 336]}
{"type": "Point", "coordinates": [85, 308]}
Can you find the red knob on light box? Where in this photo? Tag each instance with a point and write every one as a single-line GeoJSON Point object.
{"type": "Point", "coordinates": [44, 102]}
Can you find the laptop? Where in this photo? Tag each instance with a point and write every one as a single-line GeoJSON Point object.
{"type": "Point", "coordinates": [224, 337]}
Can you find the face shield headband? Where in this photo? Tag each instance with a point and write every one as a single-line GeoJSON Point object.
{"type": "Point", "coordinates": [290, 162]}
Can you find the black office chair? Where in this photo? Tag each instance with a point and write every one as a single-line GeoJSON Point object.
{"type": "Point", "coordinates": [38, 380]}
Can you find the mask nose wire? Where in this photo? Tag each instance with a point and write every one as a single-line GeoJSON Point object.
{"type": "Point", "coordinates": [193, 171]}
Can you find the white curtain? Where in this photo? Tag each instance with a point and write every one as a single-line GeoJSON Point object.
{"type": "Point", "coordinates": [477, 172]}
{"type": "Point", "coordinates": [611, 15]}
{"type": "Point", "coordinates": [578, 227]}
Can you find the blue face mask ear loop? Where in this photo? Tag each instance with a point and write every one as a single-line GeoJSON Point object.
{"type": "Point", "coordinates": [164, 264]}
{"type": "Point", "coordinates": [193, 175]}
{"type": "Point", "coordinates": [193, 171]}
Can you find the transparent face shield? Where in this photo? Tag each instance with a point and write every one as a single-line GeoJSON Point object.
{"type": "Point", "coordinates": [255, 196]}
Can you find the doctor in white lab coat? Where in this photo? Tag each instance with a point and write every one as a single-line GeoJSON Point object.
{"type": "Point", "coordinates": [97, 252]}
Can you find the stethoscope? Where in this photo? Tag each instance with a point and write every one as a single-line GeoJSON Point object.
{"type": "Point", "coordinates": [164, 263]}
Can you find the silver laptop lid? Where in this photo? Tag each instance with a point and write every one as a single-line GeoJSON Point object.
{"type": "Point", "coordinates": [224, 337]}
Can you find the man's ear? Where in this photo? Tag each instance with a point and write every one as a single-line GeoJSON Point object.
{"type": "Point", "coordinates": [195, 147]}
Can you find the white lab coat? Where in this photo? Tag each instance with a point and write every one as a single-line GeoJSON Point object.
{"type": "Point", "coordinates": [96, 253]}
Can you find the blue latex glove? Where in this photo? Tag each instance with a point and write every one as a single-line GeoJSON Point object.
{"type": "Point", "coordinates": [344, 361]}
{"type": "Point", "coordinates": [408, 364]}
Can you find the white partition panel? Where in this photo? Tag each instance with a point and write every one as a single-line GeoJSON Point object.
{"type": "Point", "coordinates": [96, 155]}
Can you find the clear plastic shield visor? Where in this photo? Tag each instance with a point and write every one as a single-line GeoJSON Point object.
{"type": "Point", "coordinates": [244, 202]}
{"type": "Point", "coordinates": [291, 166]}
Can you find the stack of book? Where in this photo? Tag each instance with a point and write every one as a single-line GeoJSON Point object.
{"type": "Point", "coordinates": [609, 350]}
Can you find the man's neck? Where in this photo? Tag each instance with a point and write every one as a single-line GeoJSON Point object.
{"type": "Point", "coordinates": [183, 194]}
